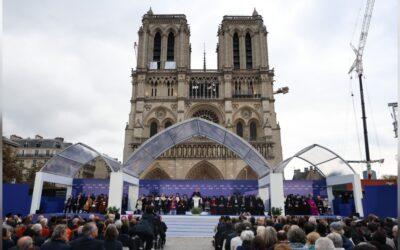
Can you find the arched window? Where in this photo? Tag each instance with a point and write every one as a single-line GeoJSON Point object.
{"type": "Point", "coordinates": [170, 47]}
{"type": "Point", "coordinates": [153, 128]}
{"type": "Point", "coordinates": [249, 57]}
{"type": "Point", "coordinates": [154, 89]}
{"type": "Point", "coordinates": [253, 131]}
{"type": "Point", "coordinates": [167, 124]}
{"type": "Point", "coordinates": [170, 89]}
{"type": "Point", "coordinates": [236, 57]}
{"type": "Point", "coordinates": [207, 114]}
{"type": "Point", "coordinates": [157, 49]}
{"type": "Point", "coordinates": [239, 129]}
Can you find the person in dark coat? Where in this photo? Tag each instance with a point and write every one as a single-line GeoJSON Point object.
{"type": "Point", "coordinates": [88, 240]}
{"type": "Point", "coordinates": [58, 239]}
{"type": "Point", "coordinates": [125, 239]}
{"type": "Point", "coordinates": [7, 241]}
{"type": "Point", "coordinates": [111, 236]}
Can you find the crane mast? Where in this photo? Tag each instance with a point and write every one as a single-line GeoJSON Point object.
{"type": "Point", "coordinates": [358, 68]}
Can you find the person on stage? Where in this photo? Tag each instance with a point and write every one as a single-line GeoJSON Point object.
{"type": "Point", "coordinates": [196, 192]}
{"type": "Point", "coordinates": [68, 205]}
{"type": "Point", "coordinates": [197, 201]}
{"type": "Point", "coordinates": [213, 205]}
{"type": "Point", "coordinates": [236, 204]}
{"type": "Point", "coordinates": [221, 205]}
{"type": "Point", "coordinates": [312, 205]}
{"type": "Point", "coordinates": [173, 206]}
{"type": "Point", "coordinates": [320, 205]}
{"type": "Point", "coordinates": [260, 206]}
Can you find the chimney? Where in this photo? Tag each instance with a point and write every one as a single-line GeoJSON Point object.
{"type": "Point", "coordinates": [60, 139]}
{"type": "Point", "coordinates": [15, 137]}
{"type": "Point", "coordinates": [38, 137]}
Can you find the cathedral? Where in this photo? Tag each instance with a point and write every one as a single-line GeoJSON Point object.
{"type": "Point", "coordinates": [238, 95]}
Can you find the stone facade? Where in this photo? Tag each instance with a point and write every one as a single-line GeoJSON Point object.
{"type": "Point", "coordinates": [35, 152]}
{"type": "Point", "coordinates": [237, 95]}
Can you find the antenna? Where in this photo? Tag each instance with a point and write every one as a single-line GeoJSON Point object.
{"type": "Point", "coordinates": [204, 57]}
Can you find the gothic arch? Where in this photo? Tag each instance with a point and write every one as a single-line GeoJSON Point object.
{"type": "Point", "coordinates": [152, 114]}
{"type": "Point", "coordinates": [247, 174]}
{"type": "Point", "coordinates": [172, 29]}
{"type": "Point", "coordinates": [156, 174]}
{"type": "Point", "coordinates": [254, 114]}
{"type": "Point", "coordinates": [152, 148]}
{"type": "Point", "coordinates": [167, 120]}
{"type": "Point", "coordinates": [204, 171]}
{"type": "Point", "coordinates": [211, 107]}
{"type": "Point", "coordinates": [154, 31]}
{"type": "Point", "coordinates": [250, 31]}
{"type": "Point", "coordinates": [235, 124]}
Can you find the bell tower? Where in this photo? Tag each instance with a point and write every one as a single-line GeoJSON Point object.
{"type": "Point", "coordinates": [163, 42]}
{"type": "Point", "coordinates": [242, 43]}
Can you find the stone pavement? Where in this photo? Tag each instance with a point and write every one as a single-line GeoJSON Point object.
{"type": "Point", "coordinates": [183, 243]}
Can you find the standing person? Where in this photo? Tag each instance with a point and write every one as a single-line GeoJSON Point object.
{"type": "Point", "coordinates": [58, 240]}
{"type": "Point", "coordinates": [88, 204]}
{"type": "Point", "coordinates": [260, 206]}
{"type": "Point", "coordinates": [236, 205]}
{"type": "Point", "coordinates": [196, 192]}
{"type": "Point", "coordinates": [68, 205]}
{"type": "Point", "coordinates": [312, 205]}
{"type": "Point", "coordinates": [173, 206]}
{"type": "Point", "coordinates": [221, 205]}
{"type": "Point", "coordinates": [213, 205]}
{"type": "Point", "coordinates": [197, 201]}
{"type": "Point", "coordinates": [320, 205]}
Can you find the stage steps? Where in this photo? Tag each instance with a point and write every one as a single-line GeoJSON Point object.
{"type": "Point", "coordinates": [190, 225]}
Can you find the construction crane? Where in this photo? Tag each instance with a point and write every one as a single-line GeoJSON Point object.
{"type": "Point", "coordinates": [358, 68]}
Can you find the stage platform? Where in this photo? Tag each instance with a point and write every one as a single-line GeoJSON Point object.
{"type": "Point", "coordinates": [178, 225]}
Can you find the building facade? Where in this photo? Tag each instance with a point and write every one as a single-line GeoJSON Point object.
{"type": "Point", "coordinates": [238, 95]}
{"type": "Point", "coordinates": [33, 153]}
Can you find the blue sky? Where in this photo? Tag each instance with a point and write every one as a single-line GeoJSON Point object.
{"type": "Point", "coordinates": [67, 64]}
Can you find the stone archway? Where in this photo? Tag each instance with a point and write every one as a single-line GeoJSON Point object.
{"type": "Point", "coordinates": [204, 171]}
{"type": "Point", "coordinates": [156, 174]}
{"type": "Point", "coordinates": [247, 174]}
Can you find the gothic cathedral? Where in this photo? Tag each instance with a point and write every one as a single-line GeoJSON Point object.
{"type": "Point", "coordinates": [238, 95]}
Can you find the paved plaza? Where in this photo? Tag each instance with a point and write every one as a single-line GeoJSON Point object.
{"type": "Point", "coordinates": [181, 243]}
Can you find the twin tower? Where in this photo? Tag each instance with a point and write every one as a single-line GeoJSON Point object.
{"type": "Point", "coordinates": [164, 43]}
{"type": "Point", "coordinates": [238, 95]}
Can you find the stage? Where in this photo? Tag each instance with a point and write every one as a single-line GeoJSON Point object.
{"type": "Point", "coordinates": [178, 225]}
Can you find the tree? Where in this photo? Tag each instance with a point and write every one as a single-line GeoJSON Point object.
{"type": "Point", "coordinates": [31, 172]}
{"type": "Point", "coordinates": [389, 177]}
{"type": "Point", "coordinates": [12, 168]}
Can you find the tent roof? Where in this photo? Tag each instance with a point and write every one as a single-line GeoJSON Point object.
{"type": "Point", "coordinates": [68, 162]}
{"type": "Point", "coordinates": [325, 160]}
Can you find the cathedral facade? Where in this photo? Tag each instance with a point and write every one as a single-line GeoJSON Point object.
{"type": "Point", "coordinates": [238, 95]}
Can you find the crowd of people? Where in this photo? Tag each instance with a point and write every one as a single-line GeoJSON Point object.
{"type": "Point", "coordinates": [302, 205]}
{"type": "Point", "coordinates": [215, 205]}
{"type": "Point", "coordinates": [86, 204]}
{"type": "Point", "coordinates": [303, 232]}
{"type": "Point", "coordinates": [114, 232]}
{"type": "Point", "coordinates": [221, 205]}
